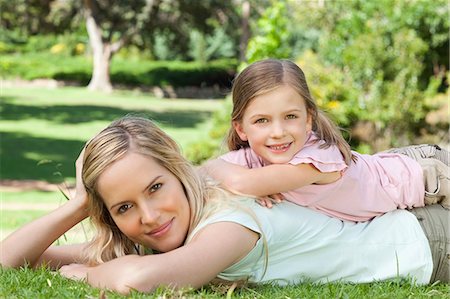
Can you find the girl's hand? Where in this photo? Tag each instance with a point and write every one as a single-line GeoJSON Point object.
{"type": "Point", "coordinates": [75, 271]}
{"type": "Point", "coordinates": [268, 201]}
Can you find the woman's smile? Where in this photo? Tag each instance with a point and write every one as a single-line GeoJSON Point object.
{"type": "Point", "coordinates": [162, 230]}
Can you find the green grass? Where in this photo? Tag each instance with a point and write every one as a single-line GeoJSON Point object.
{"type": "Point", "coordinates": [19, 208]}
{"type": "Point", "coordinates": [43, 130]}
{"type": "Point", "coordinates": [42, 283]}
{"type": "Point", "coordinates": [32, 197]}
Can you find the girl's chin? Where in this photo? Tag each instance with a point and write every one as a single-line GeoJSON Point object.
{"type": "Point", "coordinates": [277, 161]}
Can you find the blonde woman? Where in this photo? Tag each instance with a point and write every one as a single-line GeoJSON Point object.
{"type": "Point", "coordinates": [159, 223]}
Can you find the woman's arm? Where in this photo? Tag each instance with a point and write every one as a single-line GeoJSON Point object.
{"type": "Point", "coordinates": [30, 243]}
{"type": "Point", "coordinates": [267, 180]}
{"type": "Point", "coordinates": [213, 249]}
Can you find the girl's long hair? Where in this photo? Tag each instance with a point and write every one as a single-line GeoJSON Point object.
{"type": "Point", "coordinates": [266, 75]}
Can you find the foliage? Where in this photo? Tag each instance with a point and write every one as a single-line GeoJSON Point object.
{"type": "Point", "coordinates": [203, 48]}
{"type": "Point", "coordinates": [137, 71]}
{"type": "Point", "coordinates": [271, 34]}
{"type": "Point", "coordinates": [215, 143]}
{"type": "Point", "coordinates": [384, 49]}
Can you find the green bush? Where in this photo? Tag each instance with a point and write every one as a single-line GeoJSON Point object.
{"type": "Point", "coordinates": [132, 72]}
{"type": "Point", "coordinates": [201, 151]}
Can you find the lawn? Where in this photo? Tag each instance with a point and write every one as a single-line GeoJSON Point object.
{"type": "Point", "coordinates": [42, 132]}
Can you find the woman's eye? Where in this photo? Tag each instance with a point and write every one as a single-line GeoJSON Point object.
{"type": "Point", "coordinates": [291, 116]}
{"type": "Point", "coordinates": [155, 187]}
{"type": "Point", "coordinates": [261, 121]}
{"type": "Point", "coordinates": [123, 208]}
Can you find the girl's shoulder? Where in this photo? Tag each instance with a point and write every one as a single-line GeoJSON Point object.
{"type": "Point", "coordinates": [324, 158]}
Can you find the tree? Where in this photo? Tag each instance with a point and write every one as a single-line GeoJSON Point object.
{"type": "Point", "coordinates": [114, 24]}
{"type": "Point", "coordinates": [111, 26]}
{"type": "Point", "coordinates": [391, 50]}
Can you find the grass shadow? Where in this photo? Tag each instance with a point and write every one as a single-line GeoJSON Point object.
{"type": "Point", "coordinates": [27, 157]}
{"type": "Point", "coordinates": [70, 114]}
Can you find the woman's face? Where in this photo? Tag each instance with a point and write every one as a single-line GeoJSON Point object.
{"type": "Point", "coordinates": [146, 201]}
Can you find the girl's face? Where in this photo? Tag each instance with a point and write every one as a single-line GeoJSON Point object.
{"type": "Point", "coordinates": [276, 124]}
{"type": "Point", "coordinates": [146, 201]}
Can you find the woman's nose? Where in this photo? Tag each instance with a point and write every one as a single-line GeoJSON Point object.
{"type": "Point", "coordinates": [148, 215]}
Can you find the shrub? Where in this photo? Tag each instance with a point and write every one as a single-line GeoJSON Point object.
{"type": "Point", "coordinates": [132, 72]}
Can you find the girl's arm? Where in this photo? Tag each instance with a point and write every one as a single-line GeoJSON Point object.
{"type": "Point", "coordinates": [267, 180]}
{"type": "Point", "coordinates": [214, 248]}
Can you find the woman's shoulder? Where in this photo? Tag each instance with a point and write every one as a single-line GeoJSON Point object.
{"type": "Point", "coordinates": [238, 210]}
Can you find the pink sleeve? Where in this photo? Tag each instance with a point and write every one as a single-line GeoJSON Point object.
{"type": "Point", "coordinates": [244, 157]}
{"type": "Point", "coordinates": [324, 159]}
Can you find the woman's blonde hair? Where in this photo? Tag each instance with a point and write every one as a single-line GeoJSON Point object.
{"type": "Point", "coordinates": [266, 75]}
{"type": "Point", "coordinates": [141, 136]}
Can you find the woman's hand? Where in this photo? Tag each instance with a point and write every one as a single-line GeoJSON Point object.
{"type": "Point", "coordinates": [75, 271]}
{"type": "Point", "coordinates": [80, 189]}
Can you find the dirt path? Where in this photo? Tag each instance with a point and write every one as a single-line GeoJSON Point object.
{"type": "Point", "coordinates": [26, 185]}
{"type": "Point", "coordinates": [12, 206]}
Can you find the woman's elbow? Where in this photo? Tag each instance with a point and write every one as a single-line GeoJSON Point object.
{"type": "Point", "coordinates": [136, 281]}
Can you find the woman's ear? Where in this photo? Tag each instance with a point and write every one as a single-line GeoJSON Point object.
{"type": "Point", "coordinates": [239, 130]}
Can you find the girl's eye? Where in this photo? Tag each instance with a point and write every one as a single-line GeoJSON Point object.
{"type": "Point", "coordinates": [291, 116]}
{"type": "Point", "coordinates": [123, 208]}
{"type": "Point", "coordinates": [155, 187]}
{"type": "Point", "coordinates": [261, 121]}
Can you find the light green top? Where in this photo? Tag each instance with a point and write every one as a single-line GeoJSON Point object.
{"type": "Point", "coordinates": [303, 243]}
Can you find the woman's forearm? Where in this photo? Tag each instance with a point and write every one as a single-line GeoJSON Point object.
{"type": "Point", "coordinates": [215, 248]}
{"type": "Point", "coordinates": [28, 243]}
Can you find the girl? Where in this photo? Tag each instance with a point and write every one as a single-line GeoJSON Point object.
{"type": "Point", "coordinates": [143, 196]}
{"type": "Point", "coordinates": [281, 143]}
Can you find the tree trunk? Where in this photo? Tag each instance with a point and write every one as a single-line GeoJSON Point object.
{"type": "Point", "coordinates": [245, 35]}
{"type": "Point", "coordinates": [100, 74]}
{"type": "Point", "coordinates": [102, 53]}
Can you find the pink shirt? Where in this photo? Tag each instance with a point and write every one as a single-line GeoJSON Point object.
{"type": "Point", "coordinates": [374, 185]}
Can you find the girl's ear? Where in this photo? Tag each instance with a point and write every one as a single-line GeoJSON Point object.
{"type": "Point", "coordinates": [309, 122]}
{"type": "Point", "coordinates": [239, 130]}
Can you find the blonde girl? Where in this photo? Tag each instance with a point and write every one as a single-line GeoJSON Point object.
{"type": "Point", "coordinates": [280, 142]}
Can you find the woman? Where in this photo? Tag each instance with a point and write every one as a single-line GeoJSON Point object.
{"type": "Point", "coordinates": [143, 195]}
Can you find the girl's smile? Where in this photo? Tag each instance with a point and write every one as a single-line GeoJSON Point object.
{"type": "Point", "coordinates": [281, 148]}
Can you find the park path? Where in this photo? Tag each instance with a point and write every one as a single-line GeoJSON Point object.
{"type": "Point", "coordinates": [27, 185]}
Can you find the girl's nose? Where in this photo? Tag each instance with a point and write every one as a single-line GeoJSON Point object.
{"type": "Point", "coordinates": [277, 130]}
